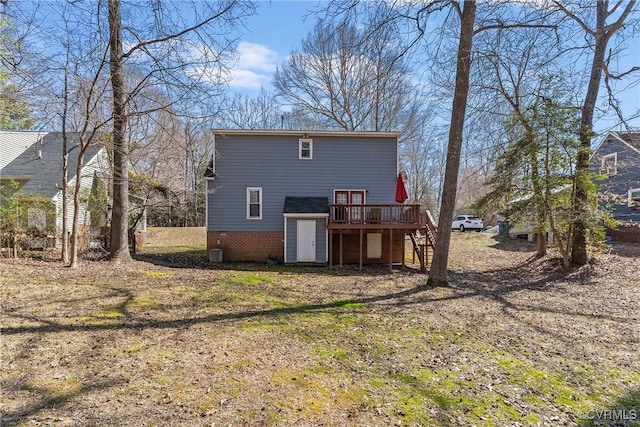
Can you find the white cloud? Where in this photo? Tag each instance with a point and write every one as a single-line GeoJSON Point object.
{"type": "Point", "coordinates": [256, 56]}
{"type": "Point", "coordinates": [255, 65]}
{"type": "Point", "coordinates": [247, 79]}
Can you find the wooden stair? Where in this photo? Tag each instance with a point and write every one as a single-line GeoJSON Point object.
{"type": "Point", "coordinates": [422, 243]}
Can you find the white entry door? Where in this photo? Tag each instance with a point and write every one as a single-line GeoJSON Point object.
{"type": "Point", "coordinates": [306, 240]}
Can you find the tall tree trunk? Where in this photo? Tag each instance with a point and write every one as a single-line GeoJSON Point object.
{"type": "Point", "coordinates": [580, 202]}
{"type": "Point", "coordinates": [601, 35]}
{"type": "Point", "coordinates": [65, 201]}
{"type": "Point", "coordinates": [65, 215]}
{"type": "Point", "coordinates": [65, 170]}
{"type": "Point", "coordinates": [537, 196]}
{"type": "Point", "coordinates": [120, 212]}
{"type": "Point", "coordinates": [438, 273]}
{"type": "Point", "coordinates": [73, 260]}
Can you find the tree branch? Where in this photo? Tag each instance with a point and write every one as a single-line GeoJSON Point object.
{"type": "Point", "coordinates": [201, 24]}
{"type": "Point", "coordinates": [571, 15]}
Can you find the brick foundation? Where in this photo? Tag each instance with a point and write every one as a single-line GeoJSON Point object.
{"type": "Point", "coordinates": [258, 245]}
{"type": "Point", "coordinates": [351, 248]}
{"type": "Point", "coordinates": [247, 245]}
{"type": "Point", "coordinates": [625, 234]}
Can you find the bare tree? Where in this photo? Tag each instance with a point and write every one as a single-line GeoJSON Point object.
{"type": "Point", "coordinates": [252, 112]}
{"type": "Point", "coordinates": [516, 64]}
{"type": "Point", "coordinates": [599, 34]}
{"type": "Point", "coordinates": [346, 80]}
{"type": "Point", "coordinates": [181, 56]}
{"type": "Point", "coordinates": [15, 112]}
{"type": "Point", "coordinates": [160, 47]}
{"type": "Point", "coordinates": [419, 158]}
{"type": "Point", "coordinates": [68, 89]}
{"type": "Point", "coordinates": [438, 273]}
{"type": "Point", "coordinates": [415, 16]}
{"type": "Point", "coordinates": [120, 212]}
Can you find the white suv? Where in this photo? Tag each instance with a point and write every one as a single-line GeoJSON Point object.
{"type": "Point", "coordinates": [467, 222]}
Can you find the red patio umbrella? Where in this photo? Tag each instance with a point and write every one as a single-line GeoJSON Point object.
{"type": "Point", "coordinates": [401, 191]}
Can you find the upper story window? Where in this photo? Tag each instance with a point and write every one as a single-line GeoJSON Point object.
{"type": "Point", "coordinates": [609, 164]}
{"type": "Point", "coordinates": [305, 149]}
{"type": "Point", "coordinates": [634, 198]}
{"type": "Point", "coordinates": [254, 203]}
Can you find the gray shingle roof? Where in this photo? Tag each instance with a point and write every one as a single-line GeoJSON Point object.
{"type": "Point", "coordinates": [15, 142]}
{"type": "Point", "coordinates": [632, 138]}
{"type": "Point", "coordinates": [305, 205]}
{"type": "Point", "coordinates": [41, 164]}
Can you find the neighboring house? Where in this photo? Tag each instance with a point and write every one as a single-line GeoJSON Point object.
{"type": "Point", "coordinates": [14, 143]}
{"type": "Point", "coordinates": [34, 161]}
{"type": "Point", "coordinates": [617, 158]}
{"type": "Point", "coordinates": [308, 197]}
{"type": "Point", "coordinates": [526, 225]}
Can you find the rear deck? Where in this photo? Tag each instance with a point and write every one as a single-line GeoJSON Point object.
{"type": "Point", "coordinates": [404, 219]}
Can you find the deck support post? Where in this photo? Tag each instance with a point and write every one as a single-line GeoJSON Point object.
{"type": "Point", "coordinates": [391, 249]}
{"type": "Point", "coordinates": [361, 233]}
{"type": "Point", "coordinates": [404, 246]}
{"type": "Point", "coordinates": [340, 248]}
{"type": "Point", "coordinates": [330, 249]}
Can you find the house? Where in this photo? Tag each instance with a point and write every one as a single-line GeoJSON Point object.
{"type": "Point", "coordinates": [617, 160]}
{"type": "Point", "coordinates": [309, 197]}
{"type": "Point", "coordinates": [33, 160]}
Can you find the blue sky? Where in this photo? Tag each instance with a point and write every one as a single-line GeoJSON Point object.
{"type": "Point", "coordinates": [270, 36]}
{"type": "Point", "coordinates": [279, 27]}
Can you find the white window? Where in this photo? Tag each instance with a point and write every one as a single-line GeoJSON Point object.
{"type": "Point", "coordinates": [305, 149]}
{"type": "Point", "coordinates": [609, 164]}
{"type": "Point", "coordinates": [634, 198]}
{"type": "Point", "coordinates": [254, 203]}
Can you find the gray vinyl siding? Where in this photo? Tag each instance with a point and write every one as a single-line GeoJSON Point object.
{"type": "Point", "coordinates": [99, 165]}
{"type": "Point", "coordinates": [615, 189]}
{"type": "Point", "coordinates": [271, 162]}
{"type": "Point", "coordinates": [41, 161]}
{"type": "Point", "coordinates": [292, 239]}
{"type": "Point", "coordinates": [321, 240]}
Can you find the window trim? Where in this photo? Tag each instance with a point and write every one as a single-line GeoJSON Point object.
{"type": "Point", "coordinates": [603, 163]}
{"type": "Point", "coordinates": [260, 202]}
{"type": "Point", "coordinates": [630, 202]}
{"type": "Point", "coordinates": [302, 141]}
{"type": "Point", "coordinates": [350, 191]}
{"type": "Point", "coordinates": [354, 212]}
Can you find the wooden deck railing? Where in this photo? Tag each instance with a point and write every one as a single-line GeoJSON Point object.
{"type": "Point", "coordinates": [376, 216]}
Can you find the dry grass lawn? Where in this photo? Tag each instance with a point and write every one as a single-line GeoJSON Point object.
{"type": "Point", "coordinates": [172, 340]}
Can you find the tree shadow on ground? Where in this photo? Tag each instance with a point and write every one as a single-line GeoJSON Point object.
{"type": "Point", "coordinates": [47, 399]}
{"type": "Point", "coordinates": [139, 324]}
{"type": "Point", "coordinates": [197, 259]}
{"type": "Point", "coordinates": [504, 242]}
{"type": "Point", "coordinates": [494, 285]}
{"type": "Point", "coordinates": [627, 250]}
{"type": "Point", "coordinates": [624, 412]}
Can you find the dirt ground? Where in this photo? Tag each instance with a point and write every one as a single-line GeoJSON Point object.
{"type": "Point", "coordinates": [171, 339]}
